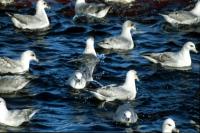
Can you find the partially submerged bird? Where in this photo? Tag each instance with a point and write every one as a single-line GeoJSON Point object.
{"type": "Point", "coordinates": [16, 117]}
{"type": "Point", "coordinates": [32, 22]}
{"type": "Point", "coordinates": [125, 114]}
{"type": "Point", "coordinates": [123, 41]}
{"type": "Point", "coordinates": [184, 17]}
{"type": "Point", "coordinates": [83, 75]}
{"type": "Point", "coordinates": [91, 9]}
{"type": "Point", "coordinates": [126, 91]}
{"type": "Point", "coordinates": [13, 83]}
{"type": "Point", "coordinates": [20, 66]}
{"type": "Point", "coordinates": [173, 59]}
{"type": "Point", "coordinates": [169, 126]}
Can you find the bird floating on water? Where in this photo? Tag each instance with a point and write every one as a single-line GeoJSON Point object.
{"type": "Point", "coordinates": [15, 117]}
{"type": "Point", "coordinates": [91, 9]}
{"type": "Point", "coordinates": [123, 41]}
{"type": "Point", "coordinates": [184, 17]}
{"type": "Point", "coordinates": [173, 59]}
{"type": "Point", "coordinates": [126, 91]}
{"type": "Point", "coordinates": [32, 22]}
{"type": "Point", "coordinates": [20, 66]}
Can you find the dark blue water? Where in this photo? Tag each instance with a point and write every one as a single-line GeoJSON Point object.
{"type": "Point", "coordinates": [161, 93]}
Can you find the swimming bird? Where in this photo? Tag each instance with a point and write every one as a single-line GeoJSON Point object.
{"type": "Point", "coordinates": [123, 41]}
{"type": "Point", "coordinates": [36, 22]}
{"type": "Point", "coordinates": [169, 126]}
{"type": "Point", "coordinates": [13, 83]}
{"type": "Point", "coordinates": [184, 17]}
{"type": "Point", "coordinates": [125, 114]}
{"type": "Point", "coordinates": [16, 117]}
{"type": "Point", "coordinates": [20, 66]}
{"type": "Point", "coordinates": [173, 59]}
{"type": "Point", "coordinates": [83, 75]}
{"type": "Point", "coordinates": [126, 91]}
{"type": "Point", "coordinates": [91, 9]}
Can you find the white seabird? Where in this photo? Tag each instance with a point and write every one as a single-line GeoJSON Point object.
{"type": "Point", "coordinates": [125, 114]}
{"type": "Point", "coordinates": [83, 75]}
{"type": "Point", "coordinates": [122, 42]}
{"type": "Point", "coordinates": [184, 17]}
{"type": "Point", "coordinates": [36, 22]}
{"type": "Point", "coordinates": [112, 92]}
{"type": "Point", "coordinates": [169, 126]}
{"type": "Point", "coordinates": [16, 117]}
{"type": "Point", "coordinates": [91, 9]}
{"type": "Point", "coordinates": [173, 59]}
{"type": "Point", "coordinates": [20, 66]}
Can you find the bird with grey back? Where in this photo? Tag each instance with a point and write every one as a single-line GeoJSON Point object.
{"type": "Point", "coordinates": [80, 78]}
{"type": "Point", "coordinates": [123, 41]}
{"type": "Point", "coordinates": [126, 91]}
{"type": "Point", "coordinates": [19, 66]}
{"type": "Point", "coordinates": [173, 59]}
{"type": "Point", "coordinates": [32, 22]}
{"type": "Point", "coordinates": [184, 17]}
{"type": "Point", "coordinates": [91, 9]}
{"type": "Point", "coordinates": [15, 117]}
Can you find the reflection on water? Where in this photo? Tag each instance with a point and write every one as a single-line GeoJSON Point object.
{"type": "Point", "coordinates": [13, 83]}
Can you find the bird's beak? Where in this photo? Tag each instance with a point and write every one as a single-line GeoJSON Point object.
{"type": "Point", "coordinates": [48, 6]}
{"type": "Point", "coordinates": [136, 77]}
{"type": "Point", "coordinates": [36, 59]}
{"type": "Point", "coordinates": [175, 130]}
{"type": "Point", "coordinates": [195, 50]}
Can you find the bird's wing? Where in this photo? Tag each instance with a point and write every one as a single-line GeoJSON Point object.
{"type": "Point", "coordinates": [182, 15]}
{"type": "Point", "coordinates": [7, 64]}
{"type": "Point", "coordinates": [25, 19]}
{"type": "Point", "coordinates": [160, 57]}
{"type": "Point", "coordinates": [114, 42]}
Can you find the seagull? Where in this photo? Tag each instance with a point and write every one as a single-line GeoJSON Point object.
{"type": "Point", "coordinates": [16, 117]}
{"type": "Point", "coordinates": [173, 59]}
{"type": "Point", "coordinates": [20, 66]}
{"type": "Point", "coordinates": [122, 42]}
{"type": "Point", "coordinates": [169, 126]}
{"type": "Point", "coordinates": [36, 22]}
{"type": "Point", "coordinates": [83, 75]}
{"type": "Point", "coordinates": [184, 17]}
{"type": "Point", "coordinates": [125, 115]}
{"type": "Point", "coordinates": [112, 92]}
{"type": "Point", "coordinates": [91, 9]}
{"type": "Point", "coordinates": [13, 83]}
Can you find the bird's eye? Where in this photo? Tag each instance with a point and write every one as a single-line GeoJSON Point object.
{"type": "Point", "coordinates": [32, 55]}
{"type": "Point", "coordinates": [169, 125]}
{"type": "Point", "coordinates": [191, 46]}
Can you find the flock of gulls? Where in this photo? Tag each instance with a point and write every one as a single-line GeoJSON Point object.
{"type": "Point", "coordinates": [81, 77]}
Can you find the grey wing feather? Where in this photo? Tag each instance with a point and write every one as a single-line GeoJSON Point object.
{"type": "Point", "coordinates": [109, 91]}
{"type": "Point", "coordinates": [161, 57]}
{"type": "Point", "coordinates": [115, 41]}
{"type": "Point", "coordinates": [182, 15]}
{"type": "Point", "coordinates": [92, 8]}
{"type": "Point", "coordinates": [7, 64]}
{"type": "Point", "coordinates": [26, 19]}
